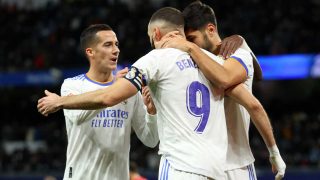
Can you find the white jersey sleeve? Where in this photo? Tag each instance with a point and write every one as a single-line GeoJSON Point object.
{"type": "Point", "coordinates": [244, 57]}
{"type": "Point", "coordinates": [144, 124]}
{"type": "Point", "coordinates": [69, 87]}
{"type": "Point", "coordinates": [213, 57]}
{"type": "Point", "coordinates": [149, 67]}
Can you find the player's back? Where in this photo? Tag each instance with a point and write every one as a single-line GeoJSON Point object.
{"type": "Point", "coordinates": [191, 119]}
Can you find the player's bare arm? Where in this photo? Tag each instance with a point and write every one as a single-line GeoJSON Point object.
{"type": "Point", "coordinates": [119, 91]}
{"type": "Point", "coordinates": [261, 121]}
{"type": "Point", "coordinates": [147, 100]}
{"type": "Point", "coordinates": [229, 45]}
{"type": "Point", "coordinates": [231, 73]}
{"type": "Point", "coordinates": [259, 117]}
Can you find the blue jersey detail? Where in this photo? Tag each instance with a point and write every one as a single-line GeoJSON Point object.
{"type": "Point", "coordinates": [79, 77]}
{"type": "Point", "coordinates": [101, 84]}
{"type": "Point", "coordinates": [241, 62]}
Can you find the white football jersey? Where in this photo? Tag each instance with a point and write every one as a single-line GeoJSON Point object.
{"type": "Point", "coordinates": [99, 140]}
{"type": "Point", "coordinates": [191, 119]}
{"type": "Point", "coordinates": [238, 119]}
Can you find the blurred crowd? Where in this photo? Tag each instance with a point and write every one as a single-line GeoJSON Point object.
{"type": "Point", "coordinates": [41, 34]}
{"type": "Point", "coordinates": [38, 37]}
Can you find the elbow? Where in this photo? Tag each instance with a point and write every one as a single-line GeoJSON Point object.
{"type": "Point", "coordinates": [227, 81]}
{"type": "Point", "coordinates": [224, 84]}
{"type": "Point", "coordinates": [255, 106]}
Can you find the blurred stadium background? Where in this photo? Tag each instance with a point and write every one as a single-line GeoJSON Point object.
{"type": "Point", "coordinates": [39, 48]}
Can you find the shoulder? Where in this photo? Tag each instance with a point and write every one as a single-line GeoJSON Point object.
{"type": "Point", "coordinates": [213, 56]}
{"type": "Point", "coordinates": [242, 52]}
{"type": "Point", "coordinates": [80, 77]}
{"type": "Point", "coordinates": [77, 78]}
{"type": "Point", "coordinates": [166, 52]}
{"type": "Point", "coordinates": [243, 56]}
{"type": "Point", "coordinates": [73, 80]}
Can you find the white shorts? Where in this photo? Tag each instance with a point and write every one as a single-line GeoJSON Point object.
{"type": "Point", "coordinates": [244, 173]}
{"type": "Point", "coordinates": [167, 172]}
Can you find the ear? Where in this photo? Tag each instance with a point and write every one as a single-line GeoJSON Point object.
{"type": "Point", "coordinates": [211, 29]}
{"type": "Point", "coordinates": [157, 34]}
{"type": "Point", "coordinates": [89, 52]}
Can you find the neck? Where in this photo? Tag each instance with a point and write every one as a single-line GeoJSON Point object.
{"type": "Point", "coordinates": [101, 77]}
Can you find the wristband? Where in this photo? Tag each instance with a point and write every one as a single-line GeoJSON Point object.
{"type": "Point", "coordinates": [273, 150]}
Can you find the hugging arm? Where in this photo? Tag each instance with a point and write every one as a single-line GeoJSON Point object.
{"type": "Point", "coordinates": [121, 90]}
{"type": "Point", "coordinates": [261, 121]}
{"type": "Point", "coordinates": [232, 72]}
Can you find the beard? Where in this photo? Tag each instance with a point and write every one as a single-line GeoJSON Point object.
{"type": "Point", "coordinates": [207, 45]}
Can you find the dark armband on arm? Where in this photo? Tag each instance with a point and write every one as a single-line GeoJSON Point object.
{"type": "Point", "coordinates": [136, 77]}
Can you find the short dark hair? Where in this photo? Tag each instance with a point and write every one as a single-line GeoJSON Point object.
{"type": "Point", "coordinates": [169, 14]}
{"type": "Point", "coordinates": [197, 15]}
{"type": "Point", "coordinates": [88, 36]}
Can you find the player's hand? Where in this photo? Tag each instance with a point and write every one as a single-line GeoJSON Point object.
{"type": "Point", "coordinates": [161, 44]}
{"type": "Point", "coordinates": [122, 73]}
{"type": "Point", "coordinates": [48, 104]}
{"type": "Point", "coordinates": [229, 45]}
{"type": "Point", "coordinates": [278, 165]}
{"type": "Point", "coordinates": [178, 43]}
{"type": "Point", "coordinates": [147, 100]}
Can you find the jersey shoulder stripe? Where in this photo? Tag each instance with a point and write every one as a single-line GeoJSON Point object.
{"type": "Point", "coordinates": [242, 63]}
{"type": "Point", "coordinates": [80, 77]}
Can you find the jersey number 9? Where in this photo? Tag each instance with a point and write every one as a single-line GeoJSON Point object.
{"type": "Point", "coordinates": [198, 103]}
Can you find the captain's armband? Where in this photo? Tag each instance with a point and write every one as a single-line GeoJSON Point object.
{"type": "Point", "coordinates": [136, 77]}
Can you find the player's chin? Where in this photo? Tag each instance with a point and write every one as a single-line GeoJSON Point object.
{"type": "Point", "coordinates": [113, 66]}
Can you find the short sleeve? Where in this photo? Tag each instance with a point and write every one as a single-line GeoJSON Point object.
{"type": "Point", "coordinates": [148, 66]}
{"type": "Point", "coordinates": [213, 57]}
{"type": "Point", "coordinates": [244, 57]}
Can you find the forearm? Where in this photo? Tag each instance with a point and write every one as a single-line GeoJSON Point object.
{"type": "Point", "coordinates": [257, 113]}
{"type": "Point", "coordinates": [261, 121]}
{"type": "Point", "coordinates": [88, 101]}
{"type": "Point", "coordinates": [121, 90]}
{"type": "Point", "coordinates": [146, 129]}
{"type": "Point", "coordinates": [151, 137]}
{"type": "Point", "coordinates": [212, 70]}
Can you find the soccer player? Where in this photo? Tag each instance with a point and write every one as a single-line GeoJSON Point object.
{"type": "Point", "coordinates": [201, 28]}
{"type": "Point", "coordinates": [99, 140]}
